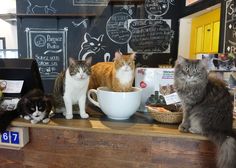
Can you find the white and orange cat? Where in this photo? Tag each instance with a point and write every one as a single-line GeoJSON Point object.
{"type": "Point", "coordinates": [117, 75]}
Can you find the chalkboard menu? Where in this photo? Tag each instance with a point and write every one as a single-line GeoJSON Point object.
{"type": "Point", "coordinates": [149, 35]}
{"type": "Point", "coordinates": [157, 8]}
{"type": "Point", "coordinates": [48, 47]}
{"type": "Point", "coordinates": [116, 29]}
{"type": "Point", "coordinates": [51, 31]}
{"type": "Point", "coordinates": [230, 27]}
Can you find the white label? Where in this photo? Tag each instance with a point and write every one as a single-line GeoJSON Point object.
{"type": "Point", "coordinates": [11, 86]}
{"type": "Point", "coordinates": [172, 98]}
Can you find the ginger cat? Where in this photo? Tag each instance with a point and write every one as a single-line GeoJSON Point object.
{"type": "Point", "coordinates": [117, 75]}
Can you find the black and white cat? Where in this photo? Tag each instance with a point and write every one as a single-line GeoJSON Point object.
{"type": "Point", "coordinates": [71, 86]}
{"type": "Point", "coordinates": [92, 46]}
{"type": "Point", "coordinates": [34, 106]}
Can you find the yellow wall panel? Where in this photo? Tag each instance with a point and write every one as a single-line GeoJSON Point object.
{"type": "Point", "coordinates": [215, 36]}
{"type": "Point", "coordinates": [209, 39]}
{"type": "Point", "coordinates": [199, 40]}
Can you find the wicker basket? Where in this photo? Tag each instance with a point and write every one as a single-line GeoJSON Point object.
{"type": "Point", "coordinates": [165, 117]}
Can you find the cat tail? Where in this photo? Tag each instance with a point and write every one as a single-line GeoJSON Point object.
{"type": "Point", "coordinates": [5, 119]}
{"type": "Point", "coordinates": [226, 143]}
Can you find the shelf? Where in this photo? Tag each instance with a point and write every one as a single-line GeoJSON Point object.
{"type": "Point", "coordinates": [9, 17]}
{"type": "Point", "coordinates": [140, 124]}
{"type": "Point", "coordinates": [58, 15]}
{"type": "Point", "coordinates": [234, 70]}
{"type": "Point", "coordinates": [135, 2]}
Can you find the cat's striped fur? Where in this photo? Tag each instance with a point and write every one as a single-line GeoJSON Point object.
{"type": "Point", "coordinates": [70, 87]}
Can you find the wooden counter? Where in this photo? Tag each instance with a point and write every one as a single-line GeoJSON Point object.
{"type": "Point", "coordinates": [99, 142]}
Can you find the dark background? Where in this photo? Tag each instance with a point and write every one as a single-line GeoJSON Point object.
{"type": "Point", "coordinates": [76, 21]}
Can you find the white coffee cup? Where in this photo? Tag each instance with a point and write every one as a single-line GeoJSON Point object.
{"type": "Point", "coordinates": [116, 105]}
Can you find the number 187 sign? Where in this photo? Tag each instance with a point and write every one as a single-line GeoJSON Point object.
{"type": "Point", "coordinates": [15, 137]}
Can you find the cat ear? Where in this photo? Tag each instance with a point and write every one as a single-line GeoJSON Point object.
{"type": "Point", "coordinates": [25, 100]}
{"type": "Point", "coordinates": [120, 52]}
{"type": "Point", "coordinates": [88, 60]}
{"type": "Point", "coordinates": [100, 38]}
{"type": "Point", "coordinates": [117, 55]}
{"type": "Point", "coordinates": [48, 99]}
{"type": "Point", "coordinates": [180, 60]}
{"type": "Point", "coordinates": [204, 62]}
{"type": "Point", "coordinates": [86, 37]}
{"type": "Point", "coordinates": [133, 55]}
{"type": "Point", "coordinates": [71, 61]}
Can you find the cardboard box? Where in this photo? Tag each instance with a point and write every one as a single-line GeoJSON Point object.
{"type": "Point", "coordinates": [154, 79]}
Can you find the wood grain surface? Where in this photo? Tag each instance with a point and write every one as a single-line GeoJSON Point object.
{"type": "Point", "coordinates": [99, 142]}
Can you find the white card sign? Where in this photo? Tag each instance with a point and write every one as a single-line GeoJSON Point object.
{"type": "Point", "coordinates": [12, 86]}
{"type": "Point", "coordinates": [172, 98]}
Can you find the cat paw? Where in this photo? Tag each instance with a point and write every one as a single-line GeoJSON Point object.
{"type": "Point", "coordinates": [84, 115]}
{"type": "Point", "coordinates": [46, 120]}
{"type": "Point", "coordinates": [183, 127]}
{"type": "Point", "coordinates": [194, 130]}
{"type": "Point", "coordinates": [26, 117]}
{"type": "Point", "coordinates": [34, 121]}
{"type": "Point", "coordinates": [69, 116]}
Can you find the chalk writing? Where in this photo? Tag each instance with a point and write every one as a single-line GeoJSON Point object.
{"type": "Point", "coordinates": [44, 6]}
{"type": "Point", "coordinates": [116, 28]}
{"type": "Point", "coordinates": [92, 46]}
{"type": "Point", "coordinates": [127, 8]}
{"type": "Point", "coordinates": [83, 22]}
{"type": "Point", "coordinates": [230, 27]}
{"type": "Point", "coordinates": [157, 7]}
{"type": "Point", "coordinates": [48, 48]}
{"type": "Point", "coordinates": [150, 36]}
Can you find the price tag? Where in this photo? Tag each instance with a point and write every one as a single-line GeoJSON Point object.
{"type": "Point", "coordinates": [172, 98]}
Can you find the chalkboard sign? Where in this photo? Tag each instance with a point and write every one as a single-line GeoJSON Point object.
{"type": "Point", "coordinates": [230, 27]}
{"type": "Point", "coordinates": [48, 48]}
{"type": "Point", "coordinates": [149, 35]}
{"type": "Point", "coordinates": [156, 7]}
{"type": "Point", "coordinates": [48, 7]}
{"type": "Point", "coordinates": [116, 28]}
{"type": "Point", "coordinates": [94, 31]}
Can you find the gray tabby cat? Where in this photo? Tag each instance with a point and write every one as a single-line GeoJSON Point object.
{"type": "Point", "coordinates": [207, 107]}
{"type": "Point", "coordinates": [71, 86]}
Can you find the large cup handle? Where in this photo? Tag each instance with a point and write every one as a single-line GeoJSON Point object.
{"type": "Point", "coordinates": [90, 92]}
